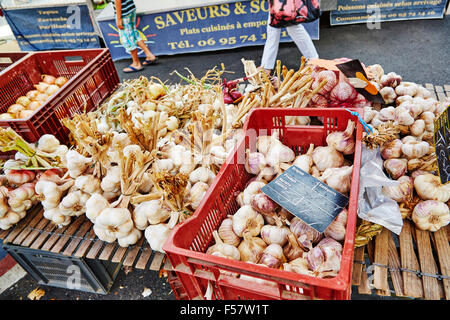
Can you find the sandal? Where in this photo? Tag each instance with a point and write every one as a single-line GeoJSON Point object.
{"type": "Point", "coordinates": [132, 69]}
{"type": "Point", "coordinates": [150, 62]}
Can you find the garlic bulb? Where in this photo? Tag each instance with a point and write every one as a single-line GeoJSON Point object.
{"type": "Point", "coordinates": [146, 183]}
{"type": "Point", "coordinates": [429, 187]}
{"type": "Point", "coordinates": [305, 161]}
{"type": "Point", "coordinates": [315, 258]}
{"type": "Point", "coordinates": [95, 205]}
{"type": "Point", "coordinates": [274, 234]}
{"type": "Point", "coordinates": [88, 183]}
{"type": "Point", "coordinates": [74, 203]}
{"type": "Point", "coordinates": [332, 251]}
{"type": "Point", "coordinates": [396, 167]}
{"type": "Point", "coordinates": [111, 181]}
{"type": "Point", "coordinates": [428, 117]}
{"type": "Point", "coordinates": [278, 153]}
{"type": "Point", "coordinates": [130, 239]}
{"type": "Point", "coordinates": [307, 236]}
{"type": "Point", "coordinates": [406, 88]}
{"type": "Point", "coordinates": [273, 256]}
{"type": "Point", "coordinates": [327, 157]}
{"type": "Point", "coordinates": [48, 143]}
{"type": "Point", "coordinates": [388, 95]}
{"type": "Point", "coordinates": [18, 177]}
{"type": "Point", "coordinates": [254, 162]}
{"type": "Point", "coordinates": [391, 79]}
{"type": "Point", "coordinates": [196, 194]}
{"type": "Point", "coordinates": [149, 212]}
{"type": "Point", "coordinates": [247, 219]}
{"type": "Point", "coordinates": [49, 193]}
{"type": "Point", "coordinates": [113, 223]}
{"type": "Point", "coordinates": [431, 215]}
{"type": "Point", "coordinates": [343, 141]}
{"type": "Point", "coordinates": [417, 128]}
{"type": "Point", "coordinates": [298, 265]}
{"type": "Point", "coordinates": [263, 144]}
{"type": "Point", "coordinates": [157, 234]}
{"type": "Point", "coordinates": [339, 179]}
{"type": "Point", "coordinates": [263, 204]}
{"type": "Point", "coordinates": [387, 114]}
{"type": "Point", "coordinates": [20, 199]}
{"type": "Point", "coordinates": [252, 188]}
{"type": "Point", "coordinates": [402, 192]}
{"type": "Point", "coordinates": [292, 250]}
{"type": "Point", "coordinates": [227, 234]}
{"type": "Point", "coordinates": [225, 249]}
{"type": "Point", "coordinates": [369, 113]}
{"type": "Point", "coordinates": [415, 149]}
{"type": "Point", "coordinates": [337, 228]}
{"type": "Point", "coordinates": [76, 163]}
{"type": "Point", "coordinates": [251, 248]}
{"type": "Point", "coordinates": [202, 174]}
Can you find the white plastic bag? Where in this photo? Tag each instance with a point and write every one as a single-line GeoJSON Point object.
{"type": "Point", "coordinates": [373, 205]}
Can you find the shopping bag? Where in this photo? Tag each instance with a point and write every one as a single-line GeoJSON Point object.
{"type": "Point", "coordinates": [284, 13]}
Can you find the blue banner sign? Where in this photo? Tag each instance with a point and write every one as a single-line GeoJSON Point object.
{"type": "Point", "coordinates": [217, 27]}
{"type": "Point", "coordinates": [373, 11]}
{"type": "Point", "coordinates": [52, 28]}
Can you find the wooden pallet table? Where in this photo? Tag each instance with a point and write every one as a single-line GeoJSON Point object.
{"type": "Point", "coordinates": [415, 264]}
{"type": "Point", "coordinates": [79, 240]}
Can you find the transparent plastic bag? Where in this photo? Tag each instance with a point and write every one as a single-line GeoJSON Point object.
{"type": "Point", "coordinates": [373, 205]}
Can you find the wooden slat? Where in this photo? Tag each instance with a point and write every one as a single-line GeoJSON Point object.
{"type": "Point", "coordinates": [144, 257]}
{"type": "Point", "coordinates": [430, 88]}
{"type": "Point", "coordinates": [53, 238]}
{"type": "Point", "coordinates": [381, 258]}
{"type": "Point", "coordinates": [438, 88]}
{"type": "Point", "coordinates": [358, 256]}
{"type": "Point", "coordinates": [118, 255]}
{"type": "Point", "coordinates": [26, 231]}
{"type": "Point", "coordinates": [108, 250]}
{"type": "Point", "coordinates": [22, 224]}
{"type": "Point", "coordinates": [72, 228]}
{"type": "Point", "coordinates": [4, 234]}
{"type": "Point", "coordinates": [92, 254]}
{"type": "Point", "coordinates": [33, 234]}
{"type": "Point", "coordinates": [132, 254]}
{"type": "Point", "coordinates": [370, 250]}
{"type": "Point", "coordinates": [441, 96]}
{"type": "Point", "coordinates": [412, 286]}
{"type": "Point", "coordinates": [443, 253]}
{"type": "Point", "coordinates": [84, 229]}
{"type": "Point", "coordinates": [43, 236]}
{"type": "Point", "coordinates": [430, 284]}
{"type": "Point", "coordinates": [447, 87]}
{"type": "Point", "coordinates": [364, 287]}
{"type": "Point", "coordinates": [157, 261]}
{"type": "Point", "coordinates": [394, 265]}
{"type": "Point", "coordinates": [167, 265]}
{"type": "Point", "coordinates": [85, 244]}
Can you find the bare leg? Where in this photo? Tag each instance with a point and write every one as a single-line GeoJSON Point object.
{"type": "Point", "coordinates": [149, 55]}
{"type": "Point", "coordinates": [136, 62]}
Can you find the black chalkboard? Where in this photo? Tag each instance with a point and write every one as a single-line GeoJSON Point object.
{"type": "Point", "coordinates": [442, 144]}
{"type": "Point", "coordinates": [306, 197]}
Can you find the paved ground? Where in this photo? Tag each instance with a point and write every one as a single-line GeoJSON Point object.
{"type": "Point", "coordinates": [417, 50]}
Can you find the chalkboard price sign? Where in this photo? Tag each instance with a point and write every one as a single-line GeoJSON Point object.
{"type": "Point", "coordinates": [306, 197]}
{"type": "Point", "coordinates": [442, 144]}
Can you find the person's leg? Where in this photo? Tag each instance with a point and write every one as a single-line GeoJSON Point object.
{"type": "Point", "coordinates": [303, 41]}
{"type": "Point", "coordinates": [270, 52]}
{"type": "Point", "coordinates": [148, 54]}
{"type": "Point", "coordinates": [128, 40]}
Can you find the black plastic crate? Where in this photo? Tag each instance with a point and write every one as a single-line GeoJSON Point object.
{"type": "Point", "coordinates": [57, 270]}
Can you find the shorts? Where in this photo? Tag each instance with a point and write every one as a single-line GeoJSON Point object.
{"type": "Point", "coordinates": [129, 34]}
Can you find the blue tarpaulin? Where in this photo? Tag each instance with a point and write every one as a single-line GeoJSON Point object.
{"type": "Point", "coordinates": [215, 27]}
{"type": "Point", "coordinates": [51, 28]}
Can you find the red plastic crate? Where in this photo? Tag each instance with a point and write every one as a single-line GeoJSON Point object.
{"type": "Point", "coordinates": [9, 58]}
{"type": "Point", "coordinates": [92, 78]}
{"type": "Point", "coordinates": [188, 242]}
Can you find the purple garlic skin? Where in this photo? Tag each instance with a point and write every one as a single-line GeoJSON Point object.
{"type": "Point", "coordinates": [396, 167]}
{"type": "Point", "coordinates": [392, 149]}
{"type": "Point", "coordinates": [263, 204]}
{"type": "Point", "coordinates": [337, 228]}
{"type": "Point", "coordinates": [315, 258]}
{"type": "Point", "coordinates": [306, 235]}
{"type": "Point", "coordinates": [254, 162]}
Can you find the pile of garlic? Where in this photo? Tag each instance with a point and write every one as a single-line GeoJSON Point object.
{"type": "Point", "coordinates": [18, 192]}
{"type": "Point", "coordinates": [410, 157]}
{"type": "Point", "coordinates": [263, 233]}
